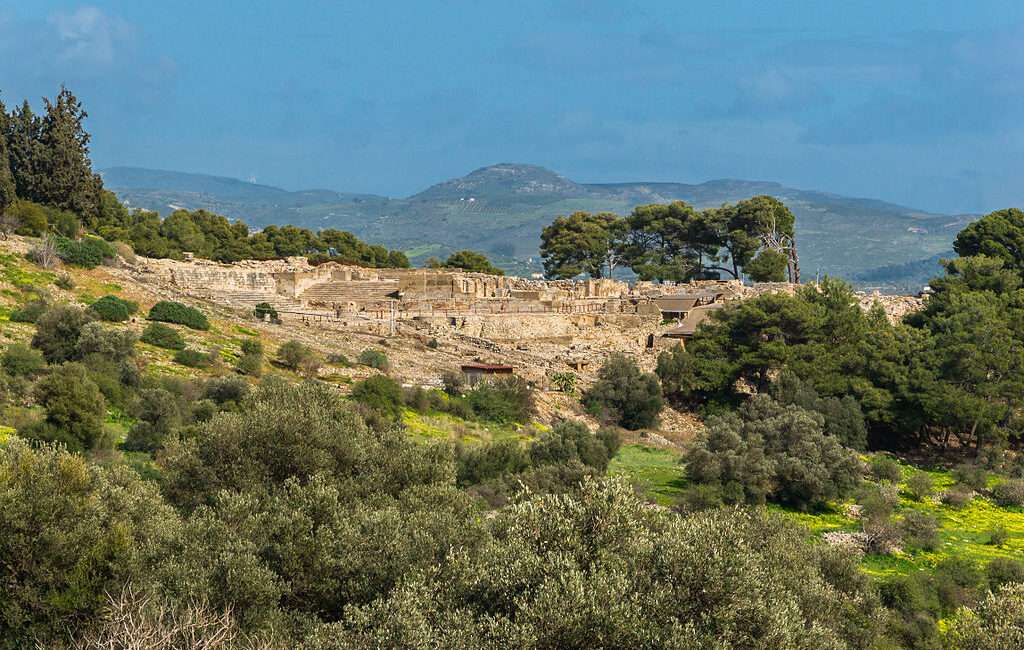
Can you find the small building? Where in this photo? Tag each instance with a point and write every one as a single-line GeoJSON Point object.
{"type": "Point", "coordinates": [477, 372]}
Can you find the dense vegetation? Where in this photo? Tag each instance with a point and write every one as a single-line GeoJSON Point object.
{"type": "Point", "coordinates": [674, 241]}
{"type": "Point", "coordinates": [47, 186]}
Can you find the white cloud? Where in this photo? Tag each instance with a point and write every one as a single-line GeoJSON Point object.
{"type": "Point", "coordinates": [87, 35]}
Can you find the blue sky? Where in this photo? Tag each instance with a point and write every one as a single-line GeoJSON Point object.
{"type": "Point", "coordinates": [920, 103]}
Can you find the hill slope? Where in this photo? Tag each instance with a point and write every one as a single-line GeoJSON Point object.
{"type": "Point", "coordinates": [501, 210]}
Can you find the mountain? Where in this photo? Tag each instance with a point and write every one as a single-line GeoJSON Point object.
{"type": "Point", "coordinates": [502, 208]}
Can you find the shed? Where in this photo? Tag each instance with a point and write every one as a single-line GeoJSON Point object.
{"type": "Point", "coordinates": [477, 372]}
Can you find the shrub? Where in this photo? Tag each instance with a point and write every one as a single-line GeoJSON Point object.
{"type": "Point", "coordinates": [338, 359]}
{"type": "Point", "coordinates": [252, 346]}
{"type": "Point", "coordinates": [264, 309]}
{"type": "Point", "coordinates": [998, 536]}
{"type": "Point", "coordinates": [193, 358]}
{"type": "Point", "coordinates": [433, 344]}
{"type": "Point", "coordinates": [1009, 492]}
{"type": "Point", "coordinates": [569, 441]}
{"type": "Point", "coordinates": [1003, 570]}
{"type": "Point", "coordinates": [769, 451]}
{"type": "Point", "coordinates": [163, 336]}
{"type": "Point", "coordinates": [224, 390]}
{"type": "Point", "coordinates": [57, 332]}
{"type": "Point", "coordinates": [958, 496]}
{"type": "Point", "coordinates": [489, 460]}
{"type": "Point", "coordinates": [124, 251]}
{"type": "Point", "coordinates": [920, 486]}
{"type": "Point", "coordinates": [995, 624]}
{"type": "Point", "coordinates": [250, 364]}
{"type": "Point", "coordinates": [920, 530]}
{"type": "Point", "coordinates": [75, 408]}
{"type": "Point", "coordinates": [374, 359]}
{"type": "Point", "coordinates": [506, 399]}
{"type": "Point", "coordinates": [884, 468]}
{"type": "Point", "coordinates": [29, 312]}
{"type": "Point", "coordinates": [298, 357]}
{"type": "Point", "coordinates": [44, 254]}
{"type": "Point", "coordinates": [380, 393]}
{"type": "Point", "coordinates": [453, 382]}
{"type": "Point", "coordinates": [625, 396]}
{"type": "Point", "coordinates": [106, 342]}
{"type": "Point", "coordinates": [167, 311]}
{"type": "Point", "coordinates": [564, 381]}
{"type": "Point", "coordinates": [113, 309]}
{"type": "Point", "coordinates": [19, 360]}
{"type": "Point", "coordinates": [88, 252]}
{"type": "Point", "coordinates": [64, 281]}
{"type": "Point", "coordinates": [973, 476]}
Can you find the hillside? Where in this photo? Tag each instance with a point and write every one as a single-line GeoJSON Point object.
{"type": "Point", "coordinates": [501, 210]}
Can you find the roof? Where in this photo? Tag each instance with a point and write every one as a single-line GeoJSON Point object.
{"type": "Point", "coordinates": [675, 303]}
{"type": "Point", "coordinates": [487, 367]}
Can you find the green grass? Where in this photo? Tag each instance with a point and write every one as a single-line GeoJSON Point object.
{"type": "Point", "coordinates": [656, 471]}
{"type": "Point", "coordinates": [443, 426]}
{"type": "Point", "coordinates": [19, 272]}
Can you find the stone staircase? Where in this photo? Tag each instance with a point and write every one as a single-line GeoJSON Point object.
{"type": "Point", "coordinates": [358, 291]}
{"type": "Point", "coordinates": [250, 299]}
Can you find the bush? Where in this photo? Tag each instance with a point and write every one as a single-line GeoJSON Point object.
{"type": "Point", "coordinates": [958, 496]}
{"type": "Point", "coordinates": [64, 281]}
{"type": "Point", "coordinates": [995, 624]}
{"type": "Point", "coordinates": [252, 346]}
{"type": "Point", "coordinates": [453, 382]}
{"type": "Point", "coordinates": [375, 359]}
{"type": "Point", "coordinates": [225, 390]}
{"type": "Point", "coordinates": [167, 311]}
{"type": "Point", "coordinates": [57, 332]}
{"type": "Point", "coordinates": [298, 357]}
{"type": "Point", "coordinates": [572, 441]}
{"type": "Point", "coordinates": [920, 486]}
{"type": "Point", "coordinates": [44, 254]}
{"type": "Point", "coordinates": [109, 343]}
{"type": "Point", "coordinates": [113, 309]}
{"type": "Point", "coordinates": [381, 394]}
{"type": "Point", "coordinates": [338, 359]}
{"type": "Point", "coordinates": [193, 358]}
{"type": "Point", "coordinates": [506, 399]}
{"type": "Point", "coordinates": [769, 451]}
{"type": "Point", "coordinates": [884, 468]}
{"type": "Point", "coordinates": [998, 536]}
{"type": "Point", "coordinates": [19, 360]}
{"type": "Point", "coordinates": [29, 312]}
{"type": "Point", "coordinates": [75, 408]}
{"type": "Point", "coordinates": [920, 530]}
{"type": "Point", "coordinates": [973, 476]}
{"type": "Point", "coordinates": [564, 381]}
{"type": "Point", "coordinates": [625, 396]}
{"type": "Point", "coordinates": [1009, 493]}
{"type": "Point", "coordinates": [163, 336]}
{"type": "Point", "coordinates": [1003, 570]}
{"type": "Point", "coordinates": [88, 252]}
{"type": "Point", "coordinates": [264, 309]}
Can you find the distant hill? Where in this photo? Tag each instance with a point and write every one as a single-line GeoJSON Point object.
{"type": "Point", "coordinates": [502, 208]}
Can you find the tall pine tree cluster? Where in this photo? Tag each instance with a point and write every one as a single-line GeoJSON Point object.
{"type": "Point", "coordinates": [45, 158]}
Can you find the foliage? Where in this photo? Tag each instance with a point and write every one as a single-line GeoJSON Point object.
{"type": "Point", "coordinates": [299, 357]}
{"type": "Point", "coordinates": [72, 533]}
{"type": "Point", "coordinates": [57, 333]}
{"type": "Point", "coordinates": [997, 622]}
{"type": "Point", "coordinates": [591, 571]}
{"type": "Point", "coordinates": [113, 309]}
{"type": "Point", "coordinates": [769, 452]}
{"type": "Point", "coordinates": [504, 399]}
{"type": "Point", "coordinates": [920, 485]}
{"type": "Point", "coordinates": [623, 395]}
{"type": "Point", "coordinates": [380, 393]}
{"type": "Point", "coordinates": [168, 311]}
{"type": "Point", "coordinates": [19, 360]}
{"type": "Point", "coordinates": [251, 361]}
{"type": "Point", "coordinates": [473, 262]}
{"type": "Point", "coordinates": [1009, 492]}
{"type": "Point", "coordinates": [264, 309]}
{"type": "Point", "coordinates": [29, 312]}
{"type": "Point", "coordinates": [564, 381]}
{"type": "Point", "coordinates": [885, 468]}
{"type": "Point", "coordinates": [374, 359]}
{"type": "Point", "coordinates": [581, 243]}
{"type": "Point", "coordinates": [110, 343]}
{"type": "Point", "coordinates": [193, 358]}
{"type": "Point", "coordinates": [88, 252]}
{"type": "Point", "coordinates": [162, 336]}
{"type": "Point", "coordinates": [75, 408]}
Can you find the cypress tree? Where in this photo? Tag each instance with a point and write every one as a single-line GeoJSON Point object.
{"type": "Point", "coordinates": [7, 191]}
{"type": "Point", "coordinates": [69, 182]}
{"type": "Point", "coordinates": [24, 151]}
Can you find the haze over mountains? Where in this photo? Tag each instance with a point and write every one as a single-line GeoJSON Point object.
{"type": "Point", "coordinates": [502, 208]}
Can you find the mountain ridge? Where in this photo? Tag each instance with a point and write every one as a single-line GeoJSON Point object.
{"type": "Point", "coordinates": [501, 209]}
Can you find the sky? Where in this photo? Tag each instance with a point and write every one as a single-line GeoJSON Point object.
{"type": "Point", "coordinates": [914, 102]}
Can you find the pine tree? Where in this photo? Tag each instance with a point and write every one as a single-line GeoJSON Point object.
{"type": "Point", "coordinates": [69, 182]}
{"type": "Point", "coordinates": [7, 191]}
{"type": "Point", "coordinates": [25, 152]}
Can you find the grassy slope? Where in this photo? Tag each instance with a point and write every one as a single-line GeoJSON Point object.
{"type": "Point", "coordinates": [963, 533]}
